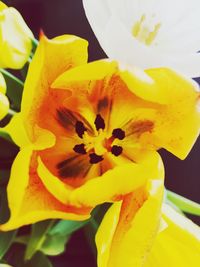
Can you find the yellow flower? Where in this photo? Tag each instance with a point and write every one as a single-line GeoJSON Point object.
{"type": "Point", "coordinates": [15, 38]}
{"type": "Point", "coordinates": [129, 235]}
{"type": "Point", "coordinates": [88, 133]}
{"type": "Point", "coordinates": [4, 103]}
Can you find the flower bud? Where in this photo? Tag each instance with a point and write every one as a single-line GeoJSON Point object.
{"type": "Point", "coordinates": [4, 103]}
{"type": "Point", "coordinates": [15, 38]}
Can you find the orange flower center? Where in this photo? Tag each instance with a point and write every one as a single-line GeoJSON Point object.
{"type": "Point", "coordinates": [96, 145]}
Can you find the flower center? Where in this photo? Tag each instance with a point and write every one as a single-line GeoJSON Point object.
{"type": "Point", "coordinates": [146, 29]}
{"type": "Point", "coordinates": [98, 144]}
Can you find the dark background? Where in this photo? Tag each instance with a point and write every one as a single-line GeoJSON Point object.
{"type": "Point", "coordinates": [58, 17]}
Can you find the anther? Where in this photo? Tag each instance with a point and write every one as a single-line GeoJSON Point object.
{"type": "Point", "coordinates": [118, 133]}
{"type": "Point", "coordinates": [80, 128]}
{"type": "Point", "coordinates": [80, 149]}
{"type": "Point", "coordinates": [99, 122]}
{"type": "Point", "coordinates": [94, 158]}
{"type": "Point", "coordinates": [116, 150]}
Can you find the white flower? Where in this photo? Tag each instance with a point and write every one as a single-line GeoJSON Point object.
{"type": "Point", "coordinates": [149, 33]}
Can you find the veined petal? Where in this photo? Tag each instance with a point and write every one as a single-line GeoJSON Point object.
{"type": "Point", "coordinates": [31, 202]}
{"type": "Point", "coordinates": [96, 70]}
{"type": "Point", "coordinates": [127, 231]}
{"type": "Point", "coordinates": [52, 58]}
{"type": "Point", "coordinates": [119, 181]}
{"type": "Point", "coordinates": [177, 115]}
{"type": "Point", "coordinates": [178, 244]}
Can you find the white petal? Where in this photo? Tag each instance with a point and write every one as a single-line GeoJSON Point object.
{"type": "Point", "coordinates": [98, 14]}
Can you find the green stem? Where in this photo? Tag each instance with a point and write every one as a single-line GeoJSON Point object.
{"type": "Point", "coordinates": [35, 42]}
{"type": "Point", "coordinates": [5, 136]}
{"type": "Point", "coordinates": [11, 76]}
{"type": "Point", "coordinates": [183, 203]}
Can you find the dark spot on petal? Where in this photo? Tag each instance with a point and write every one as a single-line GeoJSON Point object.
{"type": "Point", "coordinates": [65, 118]}
{"type": "Point", "coordinates": [80, 128]}
{"type": "Point", "coordinates": [139, 127]}
{"type": "Point", "coordinates": [99, 122]}
{"type": "Point", "coordinates": [116, 150]}
{"type": "Point", "coordinates": [80, 149]}
{"type": "Point", "coordinates": [76, 166]}
{"type": "Point", "coordinates": [68, 119]}
{"type": "Point", "coordinates": [94, 158]}
{"type": "Point", "coordinates": [118, 133]}
{"type": "Point", "coordinates": [102, 104]}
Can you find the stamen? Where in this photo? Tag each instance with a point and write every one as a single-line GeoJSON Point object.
{"type": "Point", "coordinates": [80, 128]}
{"type": "Point", "coordinates": [80, 149]}
{"type": "Point", "coordinates": [94, 158]}
{"type": "Point", "coordinates": [99, 122]}
{"type": "Point", "coordinates": [118, 133]}
{"type": "Point", "coordinates": [116, 150]}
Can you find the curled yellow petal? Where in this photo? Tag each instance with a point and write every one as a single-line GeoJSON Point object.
{"type": "Point", "coordinates": [51, 59]}
{"type": "Point", "coordinates": [176, 113]}
{"type": "Point", "coordinates": [178, 244]}
{"type": "Point", "coordinates": [31, 202]}
{"type": "Point", "coordinates": [130, 228]}
{"type": "Point", "coordinates": [119, 181]}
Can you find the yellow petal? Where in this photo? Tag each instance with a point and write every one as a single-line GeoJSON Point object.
{"type": "Point", "coordinates": [96, 70]}
{"type": "Point", "coordinates": [127, 232]}
{"type": "Point", "coordinates": [2, 6]}
{"type": "Point", "coordinates": [53, 184]}
{"type": "Point", "coordinates": [28, 199]}
{"type": "Point", "coordinates": [15, 39]}
{"type": "Point", "coordinates": [15, 128]}
{"type": "Point", "coordinates": [106, 232]}
{"type": "Point", "coordinates": [178, 244]}
{"type": "Point", "coordinates": [4, 105]}
{"type": "Point", "coordinates": [177, 113]}
{"type": "Point", "coordinates": [118, 181]}
{"type": "Point", "coordinates": [52, 58]}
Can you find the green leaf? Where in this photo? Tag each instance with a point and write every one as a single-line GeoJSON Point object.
{"type": "Point", "coordinates": [6, 240]}
{"type": "Point", "coordinates": [5, 136]}
{"type": "Point", "coordinates": [54, 245]}
{"type": "Point", "coordinates": [14, 89]}
{"type": "Point", "coordinates": [4, 265]}
{"type": "Point", "coordinates": [183, 203]}
{"type": "Point", "coordinates": [5, 212]}
{"type": "Point", "coordinates": [90, 231]}
{"type": "Point", "coordinates": [67, 227]}
{"type": "Point", "coordinates": [37, 238]}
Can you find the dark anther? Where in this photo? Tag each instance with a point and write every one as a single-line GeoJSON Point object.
{"type": "Point", "coordinates": [118, 133]}
{"type": "Point", "coordinates": [80, 149]}
{"type": "Point", "coordinates": [99, 122]}
{"type": "Point", "coordinates": [116, 150]}
{"type": "Point", "coordinates": [94, 158]}
{"type": "Point", "coordinates": [80, 128]}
